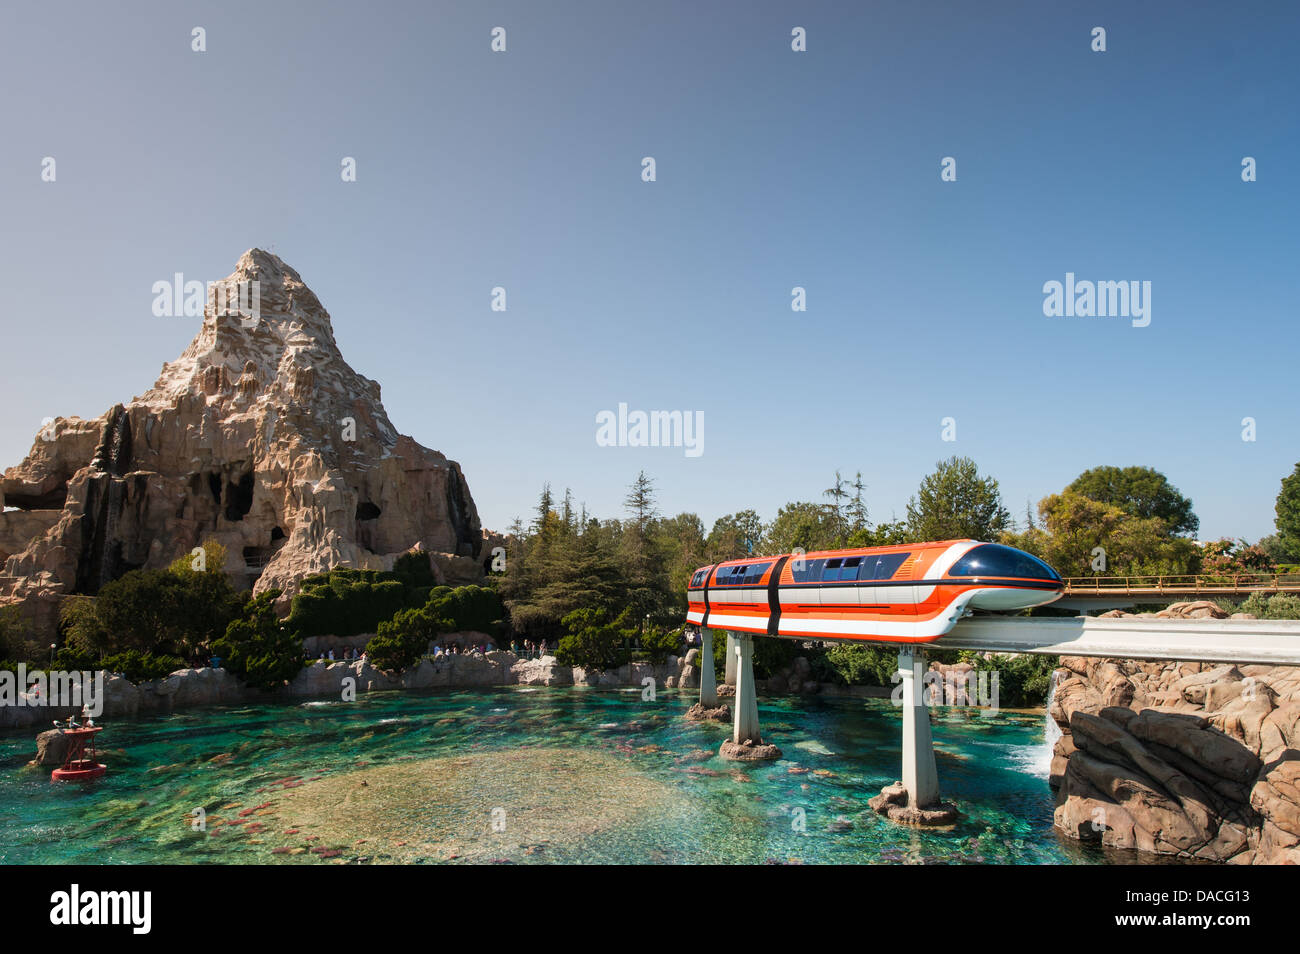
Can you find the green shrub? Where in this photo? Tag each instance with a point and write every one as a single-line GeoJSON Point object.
{"type": "Point", "coordinates": [469, 608]}
{"type": "Point", "coordinates": [137, 666]}
{"type": "Point", "coordinates": [1277, 606]}
{"type": "Point", "coordinates": [594, 641]}
{"type": "Point", "coordinates": [853, 665]}
{"type": "Point", "coordinates": [345, 602]}
{"type": "Point", "coordinates": [1023, 681]}
{"type": "Point", "coordinates": [401, 641]}
{"type": "Point", "coordinates": [658, 644]}
{"type": "Point", "coordinates": [260, 648]}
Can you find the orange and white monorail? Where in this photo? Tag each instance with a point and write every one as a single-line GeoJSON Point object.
{"type": "Point", "coordinates": [908, 593]}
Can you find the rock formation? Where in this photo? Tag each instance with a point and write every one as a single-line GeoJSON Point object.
{"type": "Point", "coordinates": [1185, 759]}
{"type": "Point", "coordinates": [259, 436]}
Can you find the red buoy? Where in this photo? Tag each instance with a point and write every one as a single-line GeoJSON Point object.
{"type": "Point", "coordinates": [79, 765]}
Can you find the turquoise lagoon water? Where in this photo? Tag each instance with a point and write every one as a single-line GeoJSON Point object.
{"type": "Point", "coordinates": [612, 778]}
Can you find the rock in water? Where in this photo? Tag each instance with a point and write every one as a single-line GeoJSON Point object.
{"type": "Point", "coordinates": [1184, 759]}
{"type": "Point", "coordinates": [261, 437]}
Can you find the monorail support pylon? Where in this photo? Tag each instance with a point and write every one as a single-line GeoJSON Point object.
{"type": "Point", "coordinates": [915, 800]}
{"type": "Point", "coordinates": [746, 743]}
{"type": "Point", "coordinates": [920, 774]}
{"type": "Point", "coordinates": [708, 683]}
{"type": "Point", "coordinates": [729, 676]}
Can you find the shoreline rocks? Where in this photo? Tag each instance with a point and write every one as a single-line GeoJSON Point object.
{"type": "Point", "coordinates": [1185, 759]}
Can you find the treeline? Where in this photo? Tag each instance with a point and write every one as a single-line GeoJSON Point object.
{"type": "Point", "coordinates": [604, 586]}
{"type": "Point", "coordinates": [1108, 521]}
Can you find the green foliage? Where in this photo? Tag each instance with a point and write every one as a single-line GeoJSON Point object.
{"type": "Point", "coordinates": [402, 640]}
{"type": "Point", "coordinates": [660, 643]}
{"type": "Point", "coordinates": [153, 611]}
{"type": "Point", "coordinates": [955, 502]}
{"type": "Point", "coordinates": [1075, 525]}
{"type": "Point", "coordinates": [132, 664]}
{"type": "Point", "coordinates": [858, 665]}
{"type": "Point", "coordinates": [1277, 606]}
{"type": "Point", "coordinates": [803, 525]}
{"type": "Point", "coordinates": [16, 638]}
{"type": "Point", "coordinates": [214, 560]}
{"type": "Point", "coordinates": [1023, 680]}
{"type": "Point", "coordinates": [594, 640]}
{"type": "Point", "coordinates": [345, 602]}
{"type": "Point", "coordinates": [466, 609]}
{"type": "Point", "coordinates": [773, 655]}
{"type": "Point", "coordinates": [1141, 492]}
{"type": "Point", "coordinates": [1287, 508]}
{"type": "Point", "coordinates": [259, 647]}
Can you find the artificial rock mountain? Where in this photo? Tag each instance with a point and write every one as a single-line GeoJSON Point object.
{"type": "Point", "coordinates": [244, 439]}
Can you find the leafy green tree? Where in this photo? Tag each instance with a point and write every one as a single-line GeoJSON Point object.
{"type": "Point", "coordinates": [805, 525]}
{"type": "Point", "coordinates": [259, 647]}
{"type": "Point", "coordinates": [955, 502]}
{"type": "Point", "coordinates": [1140, 491]}
{"type": "Point", "coordinates": [595, 640]}
{"type": "Point", "coordinates": [1075, 526]}
{"type": "Point", "coordinates": [734, 537]}
{"type": "Point", "coordinates": [402, 640]}
{"type": "Point", "coordinates": [160, 611]}
{"type": "Point", "coordinates": [1287, 509]}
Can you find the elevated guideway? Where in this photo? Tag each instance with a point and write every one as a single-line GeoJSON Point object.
{"type": "Point", "coordinates": [1241, 641]}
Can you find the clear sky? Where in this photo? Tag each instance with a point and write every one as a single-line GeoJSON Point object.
{"type": "Point", "coordinates": [775, 169]}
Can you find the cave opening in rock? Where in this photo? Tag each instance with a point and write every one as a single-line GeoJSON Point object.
{"type": "Point", "coordinates": [214, 485]}
{"type": "Point", "coordinates": [276, 534]}
{"type": "Point", "coordinates": [367, 511]}
{"type": "Point", "coordinates": [52, 500]}
{"type": "Point", "coordinates": [239, 498]}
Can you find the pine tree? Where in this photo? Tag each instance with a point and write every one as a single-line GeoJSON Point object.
{"type": "Point", "coordinates": [857, 510]}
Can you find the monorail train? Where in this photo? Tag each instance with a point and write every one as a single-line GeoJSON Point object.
{"type": "Point", "coordinates": [908, 593]}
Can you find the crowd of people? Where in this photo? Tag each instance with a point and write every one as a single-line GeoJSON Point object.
{"type": "Point", "coordinates": [348, 655]}
{"type": "Point", "coordinates": [528, 649]}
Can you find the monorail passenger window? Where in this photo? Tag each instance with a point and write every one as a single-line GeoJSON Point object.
{"type": "Point", "coordinates": [881, 567]}
{"type": "Point", "coordinates": [811, 572]}
{"type": "Point", "coordinates": [755, 573]}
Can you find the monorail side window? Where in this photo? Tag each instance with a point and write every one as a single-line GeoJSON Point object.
{"type": "Point", "coordinates": [881, 567]}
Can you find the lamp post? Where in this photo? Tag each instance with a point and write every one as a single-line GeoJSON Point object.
{"type": "Point", "coordinates": [53, 646]}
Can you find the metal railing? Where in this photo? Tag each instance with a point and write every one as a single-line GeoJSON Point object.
{"type": "Point", "coordinates": [1185, 583]}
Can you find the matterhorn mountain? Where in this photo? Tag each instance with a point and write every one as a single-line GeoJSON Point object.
{"type": "Point", "coordinates": [259, 436]}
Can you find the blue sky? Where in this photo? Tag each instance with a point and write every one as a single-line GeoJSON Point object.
{"type": "Point", "coordinates": [774, 169]}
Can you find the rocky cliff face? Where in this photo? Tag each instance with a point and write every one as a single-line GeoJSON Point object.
{"type": "Point", "coordinates": [259, 436]}
{"type": "Point", "coordinates": [1180, 758]}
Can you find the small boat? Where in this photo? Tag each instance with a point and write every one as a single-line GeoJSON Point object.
{"type": "Point", "coordinates": [80, 764]}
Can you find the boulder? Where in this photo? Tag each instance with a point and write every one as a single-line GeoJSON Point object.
{"type": "Point", "coordinates": [1184, 759]}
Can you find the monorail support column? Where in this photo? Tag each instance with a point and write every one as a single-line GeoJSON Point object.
{"type": "Point", "coordinates": [729, 676]}
{"type": "Point", "coordinates": [708, 708]}
{"type": "Point", "coordinates": [920, 774]}
{"type": "Point", "coordinates": [915, 799]}
{"type": "Point", "coordinates": [746, 743]}
{"type": "Point", "coordinates": [708, 684]}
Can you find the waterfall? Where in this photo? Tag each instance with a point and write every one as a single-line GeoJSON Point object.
{"type": "Point", "coordinates": [1051, 731]}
